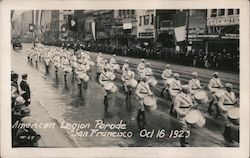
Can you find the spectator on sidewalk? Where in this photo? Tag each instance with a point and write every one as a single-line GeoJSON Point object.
{"type": "Point", "coordinates": [25, 89]}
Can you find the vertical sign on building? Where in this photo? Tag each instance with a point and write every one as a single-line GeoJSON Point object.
{"type": "Point", "coordinates": [179, 22]}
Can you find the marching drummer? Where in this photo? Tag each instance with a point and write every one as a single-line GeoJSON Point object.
{"type": "Point", "coordinates": [194, 84]}
{"type": "Point", "coordinates": [56, 60]}
{"type": "Point", "coordinates": [66, 66]}
{"type": "Point", "coordinates": [100, 62]}
{"type": "Point", "coordinates": [182, 105]}
{"type": "Point", "coordinates": [214, 86]}
{"type": "Point", "coordinates": [80, 72]}
{"type": "Point", "coordinates": [113, 60]}
{"type": "Point", "coordinates": [126, 77]}
{"type": "Point", "coordinates": [141, 68]}
{"type": "Point", "coordinates": [166, 75]}
{"type": "Point", "coordinates": [142, 90]}
{"type": "Point", "coordinates": [47, 62]}
{"type": "Point", "coordinates": [226, 101]}
{"type": "Point", "coordinates": [125, 65]}
{"type": "Point", "coordinates": [148, 71]}
{"type": "Point", "coordinates": [174, 89]}
{"type": "Point", "coordinates": [105, 78]}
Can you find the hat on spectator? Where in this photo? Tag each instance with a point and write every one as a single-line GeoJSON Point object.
{"type": "Point", "coordinates": [19, 100]}
{"type": "Point", "coordinates": [24, 75]}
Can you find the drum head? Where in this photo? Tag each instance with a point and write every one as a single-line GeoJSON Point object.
{"type": "Point", "coordinates": [149, 101]}
{"type": "Point", "coordinates": [108, 86]}
{"type": "Point", "coordinates": [193, 116]}
{"type": "Point", "coordinates": [234, 113]}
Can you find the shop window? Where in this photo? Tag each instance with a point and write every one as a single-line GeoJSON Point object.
{"type": "Point", "coordinates": [214, 13]}
{"type": "Point", "coordinates": [221, 12]}
{"type": "Point", "coordinates": [230, 12]}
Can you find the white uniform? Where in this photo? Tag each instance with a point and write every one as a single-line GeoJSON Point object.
{"type": "Point", "coordinates": [148, 72]}
{"type": "Point", "coordinates": [166, 75]}
{"type": "Point", "coordinates": [124, 66]}
{"type": "Point", "coordinates": [81, 72]}
{"type": "Point", "coordinates": [214, 84]}
{"type": "Point", "coordinates": [56, 61]}
{"type": "Point", "coordinates": [66, 65]}
{"type": "Point", "coordinates": [182, 105]}
{"type": "Point", "coordinates": [127, 76]}
{"type": "Point", "coordinates": [174, 88]}
{"type": "Point", "coordinates": [227, 100]}
{"type": "Point", "coordinates": [142, 90]}
{"type": "Point", "coordinates": [106, 77]}
{"type": "Point", "coordinates": [194, 85]}
{"type": "Point", "coordinates": [140, 69]}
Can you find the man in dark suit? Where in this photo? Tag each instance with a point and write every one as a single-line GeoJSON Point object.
{"type": "Point", "coordinates": [25, 89]}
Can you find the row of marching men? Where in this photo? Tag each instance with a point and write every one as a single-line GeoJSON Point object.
{"type": "Point", "coordinates": [70, 62]}
{"type": "Point", "coordinates": [185, 98]}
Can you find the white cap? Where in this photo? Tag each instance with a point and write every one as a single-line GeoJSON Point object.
{"type": "Point", "coordinates": [176, 75]}
{"type": "Point", "coordinates": [216, 73]}
{"type": "Point", "coordinates": [167, 65]}
{"type": "Point", "coordinates": [19, 100]}
{"type": "Point", "coordinates": [229, 85]}
{"type": "Point", "coordinates": [194, 73]}
{"type": "Point", "coordinates": [185, 87]}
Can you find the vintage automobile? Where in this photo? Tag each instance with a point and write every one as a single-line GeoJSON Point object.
{"type": "Point", "coordinates": [17, 44]}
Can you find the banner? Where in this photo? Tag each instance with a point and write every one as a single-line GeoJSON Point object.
{"type": "Point", "coordinates": [93, 30]}
{"type": "Point", "coordinates": [179, 22]}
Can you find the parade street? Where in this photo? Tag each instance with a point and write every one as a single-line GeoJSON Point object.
{"type": "Point", "coordinates": [57, 101]}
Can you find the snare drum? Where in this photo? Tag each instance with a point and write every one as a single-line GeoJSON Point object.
{"type": "Point", "coordinates": [234, 114]}
{"type": "Point", "coordinates": [195, 118]}
{"type": "Point", "coordinates": [111, 87]}
{"type": "Point", "coordinates": [116, 67]}
{"type": "Point", "coordinates": [82, 75]}
{"type": "Point", "coordinates": [201, 97]}
{"type": "Point", "coordinates": [152, 81]}
{"type": "Point", "coordinates": [150, 103]}
{"type": "Point", "coordinates": [132, 83]}
{"type": "Point", "coordinates": [86, 78]}
{"type": "Point", "coordinates": [219, 92]}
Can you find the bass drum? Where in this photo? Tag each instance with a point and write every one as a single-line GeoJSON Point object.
{"type": "Point", "coordinates": [110, 87]}
{"type": "Point", "coordinates": [201, 97]}
{"type": "Point", "coordinates": [234, 114]}
{"type": "Point", "coordinates": [132, 83]}
{"type": "Point", "coordinates": [195, 118]}
{"type": "Point", "coordinates": [152, 82]}
{"type": "Point", "coordinates": [150, 103]}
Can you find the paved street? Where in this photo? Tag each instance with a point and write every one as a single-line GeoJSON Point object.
{"type": "Point", "coordinates": [57, 101]}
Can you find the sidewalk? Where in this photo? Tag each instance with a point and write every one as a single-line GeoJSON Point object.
{"type": "Point", "coordinates": [50, 137]}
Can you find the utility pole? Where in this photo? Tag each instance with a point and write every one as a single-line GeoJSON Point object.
{"type": "Point", "coordinates": [187, 28]}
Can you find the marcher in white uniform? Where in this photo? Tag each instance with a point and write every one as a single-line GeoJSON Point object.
{"type": "Point", "coordinates": [148, 71]}
{"type": "Point", "coordinates": [107, 77]}
{"type": "Point", "coordinates": [81, 73]}
{"type": "Point", "coordinates": [214, 86]}
{"type": "Point", "coordinates": [194, 84]}
{"type": "Point", "coordinates": [141, 68]}
{"type": "Point", "coordinates": [227, 101]}
{"type": "Point", "coordinates": [182, 105]}
{"type": "Point", "coordinates": [56, 60]}
{"type": "Point", "coordinates": [125, 65]}
{"type": "Point", "coordinates": [166, 76]}
{"type": "Point", "coordinates": [174, 90]}
{"type": "Point", "coordinates": [142, 90]}
{"type": "Point", "coordinates": [127, 75]}
{"type": "Point", "coordinates": [66, 66]}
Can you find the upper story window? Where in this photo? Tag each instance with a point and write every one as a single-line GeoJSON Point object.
{"type": "Point", "coordinates": [221, 12]}
{"type": "Point", "coordinates": [213, 12]}
{"type": "Point", "coordinates": [230, 12]}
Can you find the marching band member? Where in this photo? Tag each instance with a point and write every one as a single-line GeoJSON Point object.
{"type": "Point", "coordinates": [125, 65]}
{"type": "Point", "coordinates": [47, 62]}
{"type": "Point", "coordinates": [73, 62]}
{"type": "Point", "coordinates": [141, 68]}
{"type": "Point", "coordinates": [182, 105]}
{"type": "Point", "coordinates": [100, 61]}
{"type": "Point", "coordinates": [142, 90]}
{"type": "Point", "coordinates": [226, 101]}
{"type": "Point", "coordinates": [174, 89]}
{"type": "Point", "coordinates": [66, 66]}
{"type": "Point", "coordinates": [81, 72]}
{"type": "Point", "coordinates": [214, 85]}
{"type": "Point", "coordinates": [113, 63]}
{"type": "Point", "coordinates": [148, 71]}
{"type": "Point", "coordinates": [56, 60]}
{"type": "Point", "coordinates": [194, 84]}
{"type": "Point", "coordinates": [127, 75]}
{"type": "Point", "coordinates": [105, 78]}
{"type": "Point", "coordinates": [166, 75]}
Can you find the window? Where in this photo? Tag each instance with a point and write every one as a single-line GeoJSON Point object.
{"type": "Point", "coordinates": [120, 13]}
{"type": "Point", "coordinates": [123, 12]}
{"type": "Point", "coordinates": [133, 12]}
{"type": "Point", "coordinates": [146, 19]}
{"type": "Point", "coordinates": [238, 11]}
{"type": "Point", "coordinates": [64, 17]}
{"type": "Point", "coordinates": [230, 12]}
{"type": "Point", "coordinates": [140, 21]}
{"type": "Point", "coordinates": [221, 12]}
{"type": "Point", "coordinates": [152, 19]}
{"type": "Point", "coordinates": [214, 13]}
